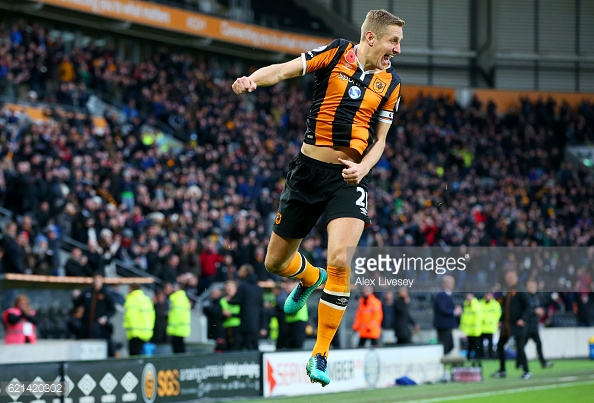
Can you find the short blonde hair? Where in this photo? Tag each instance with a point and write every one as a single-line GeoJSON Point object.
{"type": "Point", "coordinates": [377, 21]}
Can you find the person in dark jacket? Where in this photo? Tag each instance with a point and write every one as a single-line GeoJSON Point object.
{"type": "Point", "coordinates": [250, 298]}
{"type": "Point", "coordinates": [402, 318]}
{"type": "Point", "coordinates": [161, 304]}
{"type": "Point", "coordinates": [536, 311]}
{"type": "Point", "coordinates": [583, 310]}
{"type": "Point", "coordinates": [98, 307]}
{"type": "Point", "coordinates": [445, 314]}
{"type": "Point", "coordinates": [515, 314]}
{"type": "Point", "coordinates": [214, 313]}
{"type": "Point", "coordinates": [13, 260]}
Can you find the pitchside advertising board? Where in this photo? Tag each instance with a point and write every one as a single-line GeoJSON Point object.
{"type": "Point", "coordinates": [149, 380]}
{"type": "Point", "coordinates": [284, 373]}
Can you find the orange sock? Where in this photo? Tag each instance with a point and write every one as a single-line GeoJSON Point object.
{"type": "Point", "coordinates": [331, 307]}
{"type": "Point", "coordinates": [301, 269]}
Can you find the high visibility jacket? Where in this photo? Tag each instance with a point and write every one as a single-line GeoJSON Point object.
{"type": "Point", "coordinates": [178, 320]}
{"type": "Point", "coordinates": [20, 331]}
{"type": "Point", "coordinates": [301, 316]}
{"type": "Point", "coordinates": [368, 319]}
{"type": "Point", "coordinates": [232, 321]}
{"type": "Point", "coordinates": [471, 321]}
{"type": "Point", "coordinates": [139, 316]}
{"type": "Point", "coordinates": [491, 316]}
{"type": "Point", "coordinates": [273, 328]}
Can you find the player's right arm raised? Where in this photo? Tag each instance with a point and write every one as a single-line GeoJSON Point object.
{"type": "Point", "coordinates": [268, 75]}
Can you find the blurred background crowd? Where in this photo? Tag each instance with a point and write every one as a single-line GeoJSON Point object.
{"type": "Point", "coordinates": [195, 214]}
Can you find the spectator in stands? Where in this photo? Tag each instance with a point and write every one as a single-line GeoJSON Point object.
{"type": "Point", "coordinates": [516, 312]}
{"type": "Point", "coordinates": [210, 259]}
{"type": "Point", "coordinates": [139, 319]}
{"type": "Point", "coordinates": [368, 318]}
{"type": "Point", "coordinates": [532, 325]}
{"type": "Point", "coordinates": [179, 318]}
{"type": "Point", "coordinates": [403, 320]}
{"type": "Point", "coordinates": [95, 262]}
{"type": "Point", "coordinates": [99, 307]}
{"type": "Point", "coordinates": [231, 312]}
{"type": "Point", "coordinates": [491, 316]}
{"type": "Point", "coordinates": [43, 257]}
{"type": "Point", "coordinates": [13, 260]}
{"type": "Point", "coordinates": [170, 272]}
{"type": "Point", "coordinates": [446, 313]}
{"type": "Point", "coordinates": [250, 299]}
{"type": "Point", "coordinates": [22, 187]}
{"type": "Point", "coordinates": [76, 265]}
{"type": "Point", "coordinates": [213, 311]}
{"type": "Point", "coordinates": [19, 322]}
{"type": "Point", "coordinates": [226, 270]}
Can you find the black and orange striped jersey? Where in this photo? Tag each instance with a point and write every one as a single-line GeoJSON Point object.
{"type": "Point", "coordinates": [347, 101]}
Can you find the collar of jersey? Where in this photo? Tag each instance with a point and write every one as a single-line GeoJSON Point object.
{"type": "Point", "coordinates": [368, 71]}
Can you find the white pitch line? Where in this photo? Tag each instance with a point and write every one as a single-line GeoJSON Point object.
{"type": "Point", "coordinates": [501, 392]}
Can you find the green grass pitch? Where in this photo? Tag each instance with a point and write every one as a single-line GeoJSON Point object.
{"type": "Point", "coordinates": [567, 381]}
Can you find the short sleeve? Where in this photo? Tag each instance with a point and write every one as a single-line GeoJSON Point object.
{"type": "Point", "coordinates": [322, 56]}
{"type": "Point", "coordinates": [387, 110]}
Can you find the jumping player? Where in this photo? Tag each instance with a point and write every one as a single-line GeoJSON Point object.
{"type": "Point", "coordinates": [356, 93]}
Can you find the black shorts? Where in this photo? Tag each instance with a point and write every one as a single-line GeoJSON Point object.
{"type": "Point", "coordinates": [314, 188]}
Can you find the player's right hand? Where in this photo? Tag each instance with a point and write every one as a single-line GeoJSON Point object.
{"type": "Point", "coordinates": [244, 84]}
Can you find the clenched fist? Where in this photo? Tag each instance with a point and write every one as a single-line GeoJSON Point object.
{"type": "Point", "coordinates": [244, 84]}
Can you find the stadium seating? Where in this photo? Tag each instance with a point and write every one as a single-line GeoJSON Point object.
{"type": "Point", "coordinates": [214, 192]}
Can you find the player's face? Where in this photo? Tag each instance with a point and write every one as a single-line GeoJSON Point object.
{"type": "Point", "coordinates": [387, 46]}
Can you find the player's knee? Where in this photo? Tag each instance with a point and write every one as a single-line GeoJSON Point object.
{"type": "Point", "coordinates": [338, 258]}
{"type": "Point", "coordinates": [274, 264]}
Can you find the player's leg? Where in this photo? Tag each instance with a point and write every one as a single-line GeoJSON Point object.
{"type": "Point", "coordinates": [343, 235]}
{"type": "Point", "coordinates": [300, 206]}
{"type": "Point", "coordinates": [283, 259]}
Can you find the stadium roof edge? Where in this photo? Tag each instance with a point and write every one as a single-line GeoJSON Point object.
{"type": "Point", "coordinates": [211, 33]}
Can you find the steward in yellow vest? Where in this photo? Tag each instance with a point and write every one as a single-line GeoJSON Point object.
{"type": "Point", "coordinates": [471, 323]}
{"type": "Point", "coordinates": [231, 321]}
{"type": "Point", "coordinates": [139, 319]}
{"type": "Point", "coordinates": [179, 319]}
{"type": "Point", "coordinates": [491, 316]}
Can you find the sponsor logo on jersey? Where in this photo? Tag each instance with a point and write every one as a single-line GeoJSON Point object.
{"type": "Point", "coordinates": [354, 92]}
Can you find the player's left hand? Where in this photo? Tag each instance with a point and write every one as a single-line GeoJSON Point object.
{"type": "Point", "coordinates": [353, 173]}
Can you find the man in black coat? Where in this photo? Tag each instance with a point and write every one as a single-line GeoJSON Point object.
{"type": "Point", "coordinates": [214, 313]}
{"type": "Point", "coordinates": [250, 298]}
{"type": "Point", "coordinates": [515, 314]}
{"type": "Point", "coordinates": [536, 311]}
{"type": "Point", "coordinates": [98, 307]}
{"type": "Point", "coordinates": [402, 318]}
{"type": "Point", "coordinates": [446, 314]}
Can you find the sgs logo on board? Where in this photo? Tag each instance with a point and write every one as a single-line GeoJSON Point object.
{"type": "Point", "coordinates": [168, 383]}
{"type": "Point", "coordinates": [149, 377]}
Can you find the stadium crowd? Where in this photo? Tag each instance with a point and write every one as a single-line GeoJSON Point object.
{"type": "Point", "coordinates": [450, 175]}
